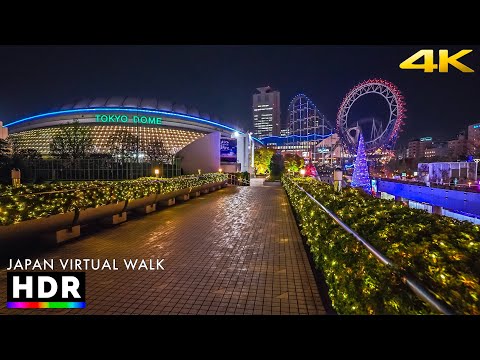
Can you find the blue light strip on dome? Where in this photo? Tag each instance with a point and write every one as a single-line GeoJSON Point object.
{"type": "Point", "coordinates": [166, 113]}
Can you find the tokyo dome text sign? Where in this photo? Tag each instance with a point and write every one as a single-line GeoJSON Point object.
{"type": "Point", "coordinates": [112, 118]}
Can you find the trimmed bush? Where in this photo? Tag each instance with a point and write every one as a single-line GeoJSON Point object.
{"type": "Point", "coordinates": [29, 202]}
{"type": "Point", "coordinates": [441, 252]}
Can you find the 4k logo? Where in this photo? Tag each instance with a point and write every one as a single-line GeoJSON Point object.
{"type": "Point", "coordinates": [444, 61]}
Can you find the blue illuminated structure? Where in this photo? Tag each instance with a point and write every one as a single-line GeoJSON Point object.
{"type": "Point", "coordinates": [281, 140]}
{"type": "Point", "coordinates": [456, 200]}
{"type": "Point", "coordinates": [133, 110]}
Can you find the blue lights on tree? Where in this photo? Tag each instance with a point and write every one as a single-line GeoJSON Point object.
{"type": "Point", "coordinates": [361, 178]}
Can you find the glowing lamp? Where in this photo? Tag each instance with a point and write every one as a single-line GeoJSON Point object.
{"type": "Point", "coordinates": [302, 172]}
{"type": "Point", "coordinates": [157, 172]}
{"type": "Point", "coordinates": [220, 170]}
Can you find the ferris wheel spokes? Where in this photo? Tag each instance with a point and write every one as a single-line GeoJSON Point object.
{"type": "Point", "coordinates": [380, 138]}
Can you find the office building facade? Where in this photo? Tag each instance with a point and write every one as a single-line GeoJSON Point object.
{"type": "Point", "coordinates": [416, 148]}
{"type": "Point", "coordinates": [266, 112]}
{"type": "Point", "coordinates": [458, 147]}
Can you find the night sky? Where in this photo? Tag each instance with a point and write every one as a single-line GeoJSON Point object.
{"type": "Point", "coordinates": [220, 80]}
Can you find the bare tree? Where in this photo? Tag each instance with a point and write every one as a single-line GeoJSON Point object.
{"type": "Point", "coordinates": [4, 153]}
{"type": "Point", "coordinates": [74, 141]}
{"type": "Point", "coordinates": [4, 148]}
{"type": "Point", "coordinates": [156, 151]}
{"type": "Point", "coordinates": [123, 145]}
{"type": "Point", "coordinates": [172, 154]}
{"type": "Point", "coordinates": [28, 154]}
{"type": "Point", "coordinates": [445, 176]}
{"type": "Point", "coordinates": [18, 152]}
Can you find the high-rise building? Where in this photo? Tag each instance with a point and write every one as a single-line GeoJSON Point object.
{"type": "Point", "coordinates": [474, 139]}
{"type": "Point", "coordinates": [437, 149]}
{"type": "Point", "coordinates": [459, 146]}
{"type": "Point", "coordinates": [416, 148]}
{"type": "Point", "coordinates": [266, 112]}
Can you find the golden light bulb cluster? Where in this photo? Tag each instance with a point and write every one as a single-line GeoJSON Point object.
{"type": "Point", "coordinates": [172, 139]}
{"type": "Point", "coordinates": [28, 202]}
{"type": "Point", "coordinates": [437, 250]}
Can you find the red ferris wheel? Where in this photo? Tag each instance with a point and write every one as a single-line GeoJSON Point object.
{"type": "Point", "coordinates": [382, 136]}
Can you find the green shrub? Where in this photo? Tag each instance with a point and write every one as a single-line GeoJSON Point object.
{"type": "Point", "coordinates": [29, 202]}
{"type": "Point", "coordinates": [443, 253]}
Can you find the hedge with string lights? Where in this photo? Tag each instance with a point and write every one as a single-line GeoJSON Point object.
{"type": "Point", "coordinates": [441, 252]}
{"type": "Point", "coordinates": [28, 202]}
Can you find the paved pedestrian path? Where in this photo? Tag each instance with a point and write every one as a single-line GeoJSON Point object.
{"type": "Point", "coordinates": [234, 251]}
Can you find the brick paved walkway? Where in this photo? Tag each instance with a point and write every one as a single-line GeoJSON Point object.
{"type": "Point", "coordinates": [235, 251]}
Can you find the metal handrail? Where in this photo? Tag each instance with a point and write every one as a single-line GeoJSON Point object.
{"type": "Point", "coordinates": [419, 290]}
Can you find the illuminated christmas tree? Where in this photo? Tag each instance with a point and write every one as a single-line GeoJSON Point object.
{"type": "Point", "coordinates": [360, 176]}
